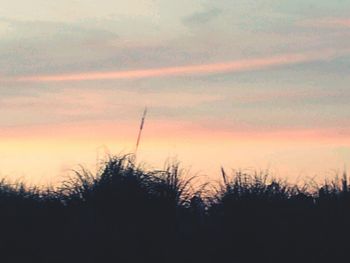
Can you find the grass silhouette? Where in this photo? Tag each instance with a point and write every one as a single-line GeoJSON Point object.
{"type": "Point", "coordinates": [128, 214]}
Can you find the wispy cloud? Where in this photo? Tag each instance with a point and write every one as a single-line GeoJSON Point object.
{"type": "Point", "coordinates": [200, 18]}
{"type": "Point", "coordinates": [328, 22]}
{"type": "Point", "coordinates": [199, 69]}
{"type": "Point", "coordinates": [340, 22]}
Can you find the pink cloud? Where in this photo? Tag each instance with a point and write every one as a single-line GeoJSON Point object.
{"type": "Point", "coordinates": [341, 22]}
{"type": "Point", "coordinates": [328, 22]}
{"type": "Point", "coordinates": [201, 69]}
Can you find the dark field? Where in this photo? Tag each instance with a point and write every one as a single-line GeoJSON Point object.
{"type": "Point", "coordinates": [127, 214]}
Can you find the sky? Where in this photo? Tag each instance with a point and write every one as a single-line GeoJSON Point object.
{"type": "Point", "coordinates": [243, 84]}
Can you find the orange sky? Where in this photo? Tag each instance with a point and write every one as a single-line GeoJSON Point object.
{"type": "Point", "coordinates": [47, 154]}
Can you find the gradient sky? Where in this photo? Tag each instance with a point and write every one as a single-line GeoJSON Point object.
{"type": "Point", "coordinates": [245, 84]}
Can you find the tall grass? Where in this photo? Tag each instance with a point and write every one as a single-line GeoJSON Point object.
{"type": "Point", "coordinates": [126, 213]}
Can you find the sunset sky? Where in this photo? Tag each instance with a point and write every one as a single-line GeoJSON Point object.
{"type": "Point", "coordinates": [244, 84]}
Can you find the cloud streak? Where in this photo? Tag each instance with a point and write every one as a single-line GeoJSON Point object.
{"type": "Point", "coordinates": [342, 22]}
{"type": "Point", "coordinates": [201, 69]}
{"type": "Point", "coordinates": [201, 18]}
{"type": "Point", "coordinates": [328, 22]}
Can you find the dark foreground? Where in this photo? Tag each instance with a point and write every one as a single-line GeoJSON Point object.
{"type": "Point", "coordinates": [125, 214]}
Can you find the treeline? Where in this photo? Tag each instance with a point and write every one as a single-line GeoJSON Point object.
{"type": "Point", "coordinates": [127, 214]}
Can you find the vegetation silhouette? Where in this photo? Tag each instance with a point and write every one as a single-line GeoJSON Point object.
{"type": "Point", "coordinates": [128, 214]}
